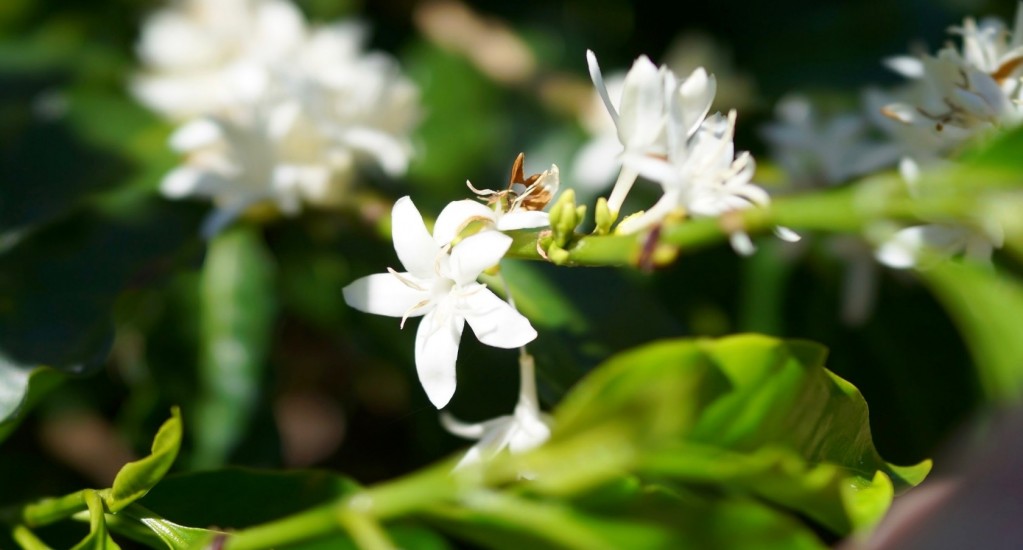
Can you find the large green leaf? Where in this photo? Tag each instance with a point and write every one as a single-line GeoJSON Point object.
{"type": "Point", "coordinates": [747, 413]}
{"type": "Point", "coordinates": [136, 478]}
{"type": "Point", "coordinates": [20, 389]}
{"type": "Point", "coordinates": [987, 306]}
{"type": "Point", "coordinates": [237, 318]}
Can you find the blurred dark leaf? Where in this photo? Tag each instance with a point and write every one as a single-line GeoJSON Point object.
{"type": "Point", "coordinates": [237, 311]}
{"type": "Point", "coordinates": [234, 498]}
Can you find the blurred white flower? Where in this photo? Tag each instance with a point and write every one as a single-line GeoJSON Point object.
{"type": "Point", "coordinates": [960, 94]}
{"type": "Point", "coordinates": [442, 287]}
{"type": "Point", "coordinates": [274, 110]}
{"type": "Point", "coordinates": [816, 152]}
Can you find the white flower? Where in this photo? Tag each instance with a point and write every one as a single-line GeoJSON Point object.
{"type": "Point", "coordinates": [525, 429]}
{"type": "Point", "coordinates": [703, 177]}
{"type": "Point", "coordinates": [962, 94]}
{"type": "Point", "coordinates": [819, 153]}
{"type": "Point", "coordinates": [276, 111]}
{"type": "Point", "coordinates": [442, 287]}
{"type": "Point", "coordinates": [649, 96]}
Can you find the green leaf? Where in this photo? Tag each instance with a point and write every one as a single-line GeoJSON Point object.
{"type": "Point", "coordinates": [20, 389]}
{"type": "Point", "coordinates": [648, 518]}
{"type": "Point", "coordinates": [987, 306]}
{"type": "Point", "coordinates": [748, 413]}
{"type": "Point", "coordinates": [136, 478]}
{"type": "Point", "coordinates": [237, 320]}
{"type": "Point", "coordinates": [235, 498]}
{"type": "Point", "coordinates": [144, 526]}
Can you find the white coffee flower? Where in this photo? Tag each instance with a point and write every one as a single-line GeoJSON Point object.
{"type": "Point", "coordinates": [277, 111]}
{"type": "Point", "coordinates": [442, 287]}
{"type": "Point", "coordinates": [649, 96]}
{"type": "Point", "coordinates": [525, 429]}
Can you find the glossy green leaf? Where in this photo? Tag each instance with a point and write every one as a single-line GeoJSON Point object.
{"type": "Point", "coordinates": [237, 318]}
{"type": "Point", "coordinates": [987, 306]}
{"type": "Point", "coordinates": [648, 518]}
{"type": "Point", "coordinates": [235, 498]}
{"type": "Point", "coordinates": [144, 526]}
{"type": "Point", "coordinates": [751, 413]}
{"type": "Point", "coordinates": [20, 389]}
{"type": "Point", "coordinates": [136, 478]}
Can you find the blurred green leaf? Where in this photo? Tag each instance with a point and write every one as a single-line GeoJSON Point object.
{"type": "Point", "coordinates": [20, 389]}
{"type": "Point", "coordinates": [136, 478]}
{"type": "Point", "coordinates": [234, 498]}
{"type": "Point", "coordinates": [412, 537]}
{"type": "Point", "coordinates": [987, 306]}
{"type": "Point", "coordinates": [237, 319]}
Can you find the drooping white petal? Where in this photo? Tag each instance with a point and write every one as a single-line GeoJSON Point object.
{"type": "Point", "coordinates": [436, 350]}
{"type": "Point", "coordinates": [475, 253]}
{"type": "Point", "coordinates": [386, 294]}
{"type": "Point", "coordinates": [495, 323]}
{"type": "Point", "coordinates": [415, 246]}
{"type": "Point", "coordinates": [453, 217]}
{"type": "Point", "coordinates": [695, 96]}
{"type": "Point", "coordinates": [390, 153]}
{"type": "Point", "coordinates": [905, 65]}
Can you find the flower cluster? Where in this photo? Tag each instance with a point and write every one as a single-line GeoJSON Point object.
{"type": "Point", "coordinates": [666, 136]}
{"type": "Point", "coordinates": [955, 97]}
{"type": "Point", "coordinates": [273, 110]}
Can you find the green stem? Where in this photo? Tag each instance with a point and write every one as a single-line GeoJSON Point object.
{"type": "Point", "coordinates": [307, 525]}
{"type": "Point", "coordinates": [27, 539]}
{"type": "Point", "coordinates": [366, 532]}
{"type": "Point", "coordinates": [50, 510]}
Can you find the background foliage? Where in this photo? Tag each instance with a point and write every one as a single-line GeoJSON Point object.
{"type": "Point", "coordinates": [113, 310]}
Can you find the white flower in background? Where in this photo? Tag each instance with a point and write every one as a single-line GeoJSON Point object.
{"type": "Point", "coordinates": [816, 152]}
{"type": "Point", "coordinates": [202, 57]}
{"type": "Point", "coordinates": [962, 94]}
{"type": "Point", "coordinates": [525, 429]}
{"type": "Point", "coordinates": [649, 96]}
{"type": "Point", "coordinates": [441, 287]}
{"type": "Point", "coordinates": [276, 111]}
{"type": "Point", "coordinates": [921, 245]}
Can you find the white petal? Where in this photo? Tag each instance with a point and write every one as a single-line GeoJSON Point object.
{"type": "Point", "coordinates": [196, 134]}
{"type": "Point", "coordinates": [641, 111]}
{"type": "Point", "coordinates": [471, 431]}
{"type": "Point", "coordinates": [436, 351]}
{"type": "Point", "coordinates": [741, 243]}
{"type": "Point", "coordinates": [391, 153]}
{"type": "Point", "coordinates": [696, 95]}
{"type": "Point", "coordinates": [475, 253]}
{"type": "Point", "coordinates": [495, 322]}
{"type": "Point", "coordinates": [598, 83]}
{"type": "Point", "coordinates": [523, 219]}
{"type": "Point", "coordinates": [413, 243]}
{"type": "Point", "coordinates": [786, 234]}
{"type": "Point", "coordinates": [188, 181]}
{"type": "Point", "coordinates": [452, 219]}
{"type": "Point", "coordinates": [907, 66]}
{"type": "Point", "coordinates": [385, 294]}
